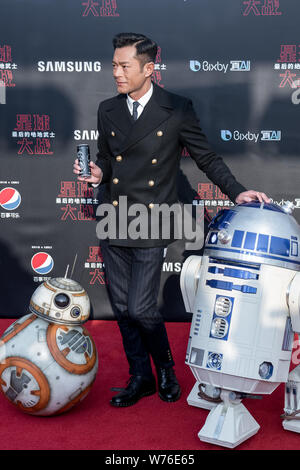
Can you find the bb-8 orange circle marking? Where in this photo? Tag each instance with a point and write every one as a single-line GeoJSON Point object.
{"type": "Point", "coordinates": [44, 390]}
{"type": "Point", "coordinates": [80, 294]}
{"type": "Point", "coordinates": [61, 356]}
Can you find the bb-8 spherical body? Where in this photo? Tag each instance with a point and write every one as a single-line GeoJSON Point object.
{"type": "Point", "coordinates": [48, 360]}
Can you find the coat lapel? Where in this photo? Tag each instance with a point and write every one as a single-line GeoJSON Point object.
{"type": "Point", "coordinates": [157, 110]}
{"type": "Point", "coordinates": [119, 115]}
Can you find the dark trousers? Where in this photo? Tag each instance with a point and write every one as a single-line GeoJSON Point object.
{"type": "Point", "coordinates": [133, 276]}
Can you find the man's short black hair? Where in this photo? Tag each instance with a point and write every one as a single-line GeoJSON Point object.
{"type": "Point", "coordinates": [146, 49]}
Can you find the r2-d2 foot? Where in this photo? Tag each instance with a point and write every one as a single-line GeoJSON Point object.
{"type": "Point", "coordinates": [229, 423]}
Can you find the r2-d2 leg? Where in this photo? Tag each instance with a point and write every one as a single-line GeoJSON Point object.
{"type": "Point", "coordinates": [291, 414]}
{"type": "Point", "coordinates": [229, 423]}
{"type": "Point", "coordinates": [204, 396]}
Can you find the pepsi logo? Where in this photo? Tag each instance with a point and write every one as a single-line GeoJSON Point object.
{"type": "Point", "coordinates": [42, 263]}
{"type": "Point", "coordinates": [10, 199]}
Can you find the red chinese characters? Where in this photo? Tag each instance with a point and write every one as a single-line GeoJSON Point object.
{"type": "Point", "coordinates": [7, 66]}
{"type": "Point", "coordinates": [34, 134]}
{"type": "Point", "coordinates": [107, 8]}
{"type": "Point", "coordinates": [77, 201]}
{"type": "Point", "coordinates": [261, 7]}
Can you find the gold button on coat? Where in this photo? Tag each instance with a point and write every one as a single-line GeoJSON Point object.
{"type": "Point", "coordinates": [119, 158]}
{"type": "Point", "coordinates": [115, 203]}
{"type": "Point", "coordinates": [113, 133]}
{"type": "Point", "coordinates": [151, 205]}
{"type": "Point", "coordinates": [151, 183]}
{"type": "Point", "coordinates": [115, 180]}
{"type": "Point", "coordinates": [159, 133]}
{"type": "Point", "coordinates": [154, 161]}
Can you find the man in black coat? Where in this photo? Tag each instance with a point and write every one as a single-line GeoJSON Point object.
{"type": "Point", "coordinates": [142, 132]}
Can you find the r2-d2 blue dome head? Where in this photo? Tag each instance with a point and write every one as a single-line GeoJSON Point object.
{"type": "Point", "coordinates": [256, 232]}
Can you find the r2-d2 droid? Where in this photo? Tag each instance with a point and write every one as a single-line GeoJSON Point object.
{"type": "Point", "coordinates": [244, 296]}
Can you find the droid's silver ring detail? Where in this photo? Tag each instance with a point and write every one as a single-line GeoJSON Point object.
{"type": "Point", "coordinates": [65, 284]}
{"type": "Point", "coordinates": [49, 287]}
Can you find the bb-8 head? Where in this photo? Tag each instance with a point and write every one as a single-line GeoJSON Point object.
{"type": "Point", "coordinates": [61, 300]}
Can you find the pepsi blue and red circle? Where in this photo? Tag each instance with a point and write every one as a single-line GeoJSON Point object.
{"type": "Point", "coordinates": [42, 263]}
{"type": "Point", "coordinates": [10, 199]}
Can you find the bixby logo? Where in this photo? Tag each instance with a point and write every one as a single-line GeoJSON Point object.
{"type": "Point", "coordinates": [264, 135]}
{"type": "Point", "coordinates": [195, 66]}
{"type": "Point", "coordinates": [226, 135]}
{"type": "Point", "coordinates": [233, 66]}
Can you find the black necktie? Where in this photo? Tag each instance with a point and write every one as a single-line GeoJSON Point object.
{"type": "Point", "coordinates": [135, 107]}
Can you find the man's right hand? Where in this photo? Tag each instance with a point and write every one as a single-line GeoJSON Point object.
{"type": "Point", "coordinates": [96, 173]}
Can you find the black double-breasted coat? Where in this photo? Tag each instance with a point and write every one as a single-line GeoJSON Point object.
{"type": "Point", "coordinates": [141, 159]}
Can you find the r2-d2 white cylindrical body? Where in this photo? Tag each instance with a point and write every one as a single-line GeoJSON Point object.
{"type": "Point", "coordinates": [241, 333]}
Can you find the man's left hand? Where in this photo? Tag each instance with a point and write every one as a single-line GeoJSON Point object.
{"type": "Point", "coordinates": [251, 195]}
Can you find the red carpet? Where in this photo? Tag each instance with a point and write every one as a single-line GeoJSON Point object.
{"type": "Point", "coordinates": [151, 424]}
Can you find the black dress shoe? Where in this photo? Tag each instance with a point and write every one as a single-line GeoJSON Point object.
{"type": "Point", "coordinates": [168, 386]}
{"type": "Point", "coordinates": [138, 387]}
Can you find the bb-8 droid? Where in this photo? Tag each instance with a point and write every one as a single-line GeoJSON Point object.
{"type": "Point", "coordinates": [48, 360]}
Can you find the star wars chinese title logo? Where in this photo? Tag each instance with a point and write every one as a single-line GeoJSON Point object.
{"type": "Point", "coordinates": [34, 135]}
{"type": "Point", "coordinates": [212, 198]}
{"type": "Point", "coordinates": [158, 68]}
{"type": "Point", "coordinates": [261, 7]}
{"type": "Point", "coordinates": [95, 265]}
{"type": "Point", "coordinates": [77, 201]}
{"type": "Point", "coordinates": [7, 66]}
{"type": "Point", "coordinates": [288, 66]}
{"type": "Point", "coordinates": [104, 8]}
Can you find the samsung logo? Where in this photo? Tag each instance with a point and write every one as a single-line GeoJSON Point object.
{"type": "Point", "coordinates": [69, 66]}
{"type": "Point", "coordinates": [171, 267]}
{"type": "Point", "coordinates": [86, 134]}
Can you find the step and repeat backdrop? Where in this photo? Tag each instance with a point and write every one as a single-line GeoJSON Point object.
{"type": "Point", "coordinates": [238, 60]}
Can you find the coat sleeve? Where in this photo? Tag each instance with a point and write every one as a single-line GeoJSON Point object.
{"type": "Point", "coordinates": [103, 155]}
{"type": "Point", "coordinates": [193, 138]}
